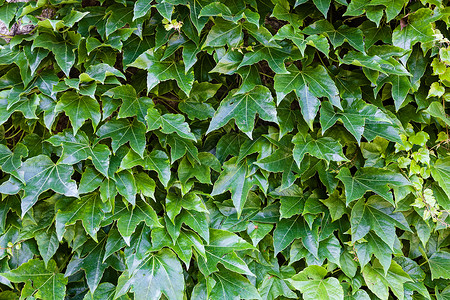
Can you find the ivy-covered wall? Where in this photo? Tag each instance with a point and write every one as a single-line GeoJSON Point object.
{"type": "Point", "coordinates": [237, 149]}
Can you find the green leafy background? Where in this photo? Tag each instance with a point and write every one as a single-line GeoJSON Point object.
{"type": "Point", "coordinates": [237, 149]}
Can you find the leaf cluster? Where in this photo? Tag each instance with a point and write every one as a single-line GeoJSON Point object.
{"type": "Point", "coordinates": [247, 149]}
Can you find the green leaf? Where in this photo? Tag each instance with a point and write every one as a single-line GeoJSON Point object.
{"type": "Point", "coordinates": [195, 106]}
{"type": "Point", "coordinates": [220, 249]}
{"type": "Point", "coordinates": [281, 160]}
{"type": "Point", "coordinates": [275, 57]}
{"type": "Point", "coordinates": [157, 161]}
{"type": "Point", "coordinates": [90, 209]}
{"type": "Point", "coordinates": [378, 283]}
{"type": "Point", "coordinates": [378, 216]}
{"type": "Point", "coordinates": [292, 201]}
{"type": "Point", "coordinates": [25, 105]}
{"type": "Point", "coordinates": [77, 148]}
{"type": "Point", "coordinates": [90, 260]}
{"type": "Point", "coordinates": [163, 70]}
{"type": "Point", "coordinates": [40, 281]}
{"type": "Point", "coordinates": [79, 109]}
{"type": "Point", "coordinates": [236, 178]}
{"type": "Point", "coordinates": [10, 162]}
{"type": "Point", "coordinates": [287, 230]}
{"type": "Point", "coordinates": [126, 185]}
{"type": "Point", "coordinates": [62, 49]}
{"type": "Point", "coordinates": [439, 265]}
{"type": "Point", "coordinates": [324, 148]}
{"type": "Point", "coordinates": [418, 29]}
{"type": "Point", "coordinates": [323, 6]}
{"type": "Point", "coordinates": [309, 85]}
{"type": "Point", "coordinates": [370, 179]}
{"type": "Point", "coordinates": [323, 289]}
{"type": "Point", "coordinates": [121, 131]}
{"type": "Point", "coordinates": [131, 104]}
{"type": "Point", "coordinates": [353, 36]}
{"type": "Point", "coordinates": [48, 244]}
{"type": "Point", "coordinates": [158, 273]}
{"type": "Point", "coordinates": [388, 66]}
{"type": "Point", "coordinates": [352, 117]}
{"type": "Point", "coordinates": [440, 171]}
{"type": "Point", "coordinates": [168, 123]}
{"type": "Point", "coordinates": [183, 245]}
{"type": "Point", "coordinates": [130, 217]}
{"type": "Point", "coordinates": [41, 174]}
{"type": "Point", "coordinates": [271, 287]}
{"type": "Point", "coordinates": [141, 8]}
{"type": "Point", "coordinates": [243, 108]}
{"type": "Point", "coordinates": [230, 285]}
{"type": "Point", "coordinates": [224, 33]}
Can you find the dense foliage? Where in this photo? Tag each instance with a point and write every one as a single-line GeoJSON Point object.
{"type": "Point", "coordinates": [253, 149]}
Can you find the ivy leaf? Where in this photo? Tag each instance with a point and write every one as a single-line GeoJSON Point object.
{"type": "Point", "coordinates": [230, 285]}
{"type": "Point", "coordinates": [195, 106]}
{"type": "Point", "coordinates": [90, 209]}
{"type": "Point", "coordinates": [439, 265]}
{"type": "Point", "coordinates": [287, 230]}
{"type": "Point", "coordinates": [224, 33]}
{"type": "Point", "coordinates": [324, 148]}
{"type": "Point", "coordinates": [25, 105]}
{"type": "Point", "coordinates": [141, 8]}
{"type": "Point", "coordinates": [389, 66]}
{"type": "Point", "coordinates": [77, 148]}
{"type": "Point", "coordinates": [309, 85]}
{"type": "Point", "coordinates": [183, 245]}
{"type": "Point", "coordinates": [236, 178]}
{"type": "Point", "coordinates": [126, 185]}
{"type": "Point", "coordinates": [220, 249]}
{"type": "Point", "coordinates": [179, 147]}
{"type": "Point", "coordinates": [131, 104]}
{"type": "Point", "coordinates": [40, 174]}
{"type": "Point", "coordinates": [437, 110]}
{"type": "Point", "coordinates": [292, 201]}
{"type": "Point", "coordinates": [63, 49]}
{"type": "Point", "coordinates": [418, 29]}
{"type": "Point", "coordinates": [163, 70]}
{"type": "Point", "coordinates": [196, 8]}
{"type": "Point", "coordinates": [190, 201]}
{"type": "Point", "coordinates": [325, 289]}
{"type": "Point", "coordinates": [243, 108]}
{"type": "Point", "coordinates": [370, 179]}
{"type": "Point", "coordinates": [10, 162]}
{"type": "Point", "coordinates": [378, 283]}
{"type": "Point", "coordinates": [168, 123]}
{"type": "Point", "coordinates": [105, 290]}
{"type": "Point", "coordinates": [376, 246]}
{"type": "Point", "coordinates": [353, 36]}
{"type": "Point", "coordinates": [48, 244]}
{"type": "Point", "coordinates": [275, 57]}
{"type": "Point", "coordinates": [440, 171]}
{"type": "Point", "coordinates": [158, 273]}
{"type": "Point", "coordinates": [40, 281]}
{"type": "Point", "coordinates": [281, 160]}
{"type": "Point", "coordinates": [79, 109]}
{"type": "Point", "coordinates": [157, 161]}
{"type": "Point", "coordinates": [322, 6]}
{"type": "Point", "coordinates": [272, 287]}
{"type": "Point", "coordinates": [100, 72]}
{"type": "Point", "coordinates": [90, 260]}
{"type": "Point", "coordinates": [377, 216]}
{"type": "Point", "coordinates": [353, 117]}
{"type": "Point", "coordinates": [121, 131]}
{"type": "Point", "coordinates": [400, 88]}
{"type": "Point", "coordinates": [130, 217]}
